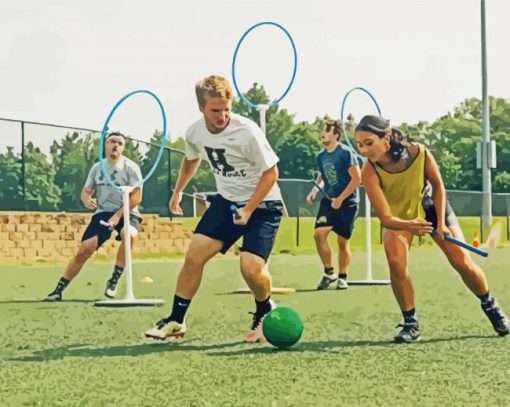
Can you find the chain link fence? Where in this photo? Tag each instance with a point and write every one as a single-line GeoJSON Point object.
{"type": "Point", "coordinates": [43, 168]}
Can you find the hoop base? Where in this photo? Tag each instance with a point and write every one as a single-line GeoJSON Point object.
{"type": "Point", "coordinates": [133, 302]}
{"type": "Point", "coordinates": [369, 282]}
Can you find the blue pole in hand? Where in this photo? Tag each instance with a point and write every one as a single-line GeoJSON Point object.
{"type": "Point", "coordinates": [234, 208]}
{"type": "Point", "coordinates": [324, 194]}
{"type": "Point", "coordinates": [465, 245]}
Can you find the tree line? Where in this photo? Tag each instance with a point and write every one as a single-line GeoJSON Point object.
{"type": "Point", "coordinates": [55, 182]}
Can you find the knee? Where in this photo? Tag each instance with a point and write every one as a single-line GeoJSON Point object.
{"type": "Point", "coordinates": [462, 264]}
{"type": "Point", "coordinates": [193, 262]}
{"type": "Point", "coordinates": [343, 245]}
{"type": "Point", "coordinates": [250, 266]}
{"type": "Point", "coordinates": [319, 237]}
{"type": "Point", "coordinates": [398, 270]}
{"type": "Point", "coordinates": [84, 253]}
{"type": "Point", "coordinates": [133, 232]}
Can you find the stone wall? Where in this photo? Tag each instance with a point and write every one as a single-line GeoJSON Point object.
{"type": "Point", "coordinates": [55, 236]}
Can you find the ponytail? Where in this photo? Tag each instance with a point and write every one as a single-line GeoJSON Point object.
{"type": "Point", "coordinates": [398, 142]}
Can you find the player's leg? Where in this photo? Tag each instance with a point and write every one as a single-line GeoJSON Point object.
{"type": "Point", "coordinates": [396, 246]}
{"type": "Point", "coordinates": [344, 259]}
{"type": "Point", "coordinates": [323, 225]}
{"type": "Point", "coordinates": [120, 261]}
{"type": "Point", "coordinates": [258, 242]}
{"type": "Point", "coordinates": [93, 237]}
{"type": "Point", "coordinates": [256, 275]}
{"type": "Point", "coordinates": [85, 250]}
{"type": "Point", "coordinates": [201, 250]}
{"type": "Point", "coordinates": [343, 225]}
{"type": "Point", "coordinates": [471, 274]}
{"type": "Point", "coordinates": [215, 227]}
{"type": "Point", "coordinates": [475, 280]}
{"type": "Point", "coordinates": [329, 276]}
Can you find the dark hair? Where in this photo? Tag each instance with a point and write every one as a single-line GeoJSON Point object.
{"type": "Point", "coordinates": [336, 125]}
{"type": "Point", "coordinates": [379, 126]}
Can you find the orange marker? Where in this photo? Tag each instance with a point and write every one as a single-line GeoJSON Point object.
{"type": "Point", "coordinates": [476, 242]}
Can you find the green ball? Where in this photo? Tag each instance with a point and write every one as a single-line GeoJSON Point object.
{"type": "Point", "coordinates": [282, 327]}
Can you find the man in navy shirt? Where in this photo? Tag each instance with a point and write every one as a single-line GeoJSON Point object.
{"type": "Point", "coordinates": [340, 175]}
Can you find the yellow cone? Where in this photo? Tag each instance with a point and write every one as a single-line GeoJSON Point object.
{"type": "Point", "coordinates": [146, 280]}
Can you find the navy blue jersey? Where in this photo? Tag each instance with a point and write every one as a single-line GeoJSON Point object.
{"type": "Point", "coordinates": [334, 169]}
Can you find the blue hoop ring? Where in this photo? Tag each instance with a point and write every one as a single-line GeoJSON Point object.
{"type": "Point", "coordinates": [346, 136]}
{"type": "Point", "coordinates": [276, 101]}
{"type": "Point", "coordinates": [105, 127]}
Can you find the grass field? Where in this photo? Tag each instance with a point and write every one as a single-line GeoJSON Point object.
{"type": "Point", "coordinates": [286, 239]}
{"type": "Point", "coordinates": [73, 354]}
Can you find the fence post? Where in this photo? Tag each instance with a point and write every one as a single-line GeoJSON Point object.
{"type": "Point", "coordinates": [508, 218]}
{"type": "Point", "coordinates": [23, 183]}
{"type": "Point", "coordinates": [297, 229]}
{"type": "Point", "coordinates": [481, 229]}
{"type": "Point", "coordinates": [168, 154]}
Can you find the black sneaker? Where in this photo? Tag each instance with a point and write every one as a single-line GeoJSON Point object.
{"type": "Point", "coordinates": [410, 332]}
{"type": "Point", "coordinates": [111, 287]}
{"type": "Point", "coordinates": [326, 282]}
{"type": "Point", "coordinates": [498, 319]}
{"type": "Point", "coordinates": [53, 296]}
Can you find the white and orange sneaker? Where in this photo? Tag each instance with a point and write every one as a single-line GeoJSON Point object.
{"type": "Point", "coordinates": [167, 329]}
{"type": "Point", "coordinates": [255, 333]}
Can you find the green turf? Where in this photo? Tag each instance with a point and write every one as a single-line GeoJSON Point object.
{"type": "Point", "coordinates": [73, 354]}
{"type": "Point", "coordinates": [286, 239]}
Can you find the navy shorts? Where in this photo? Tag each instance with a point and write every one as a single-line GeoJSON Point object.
{"type": "Point", "coordinates": [450, 218]}
{"type": "Point", "coordinates": [103, 233]}
{"type": "Point", "coordinates": [258, 234]}
{"type": "Point", "coordinates": [341, 220]}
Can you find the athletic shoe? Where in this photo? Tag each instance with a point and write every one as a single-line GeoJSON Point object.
{"type": "Point", "coordinates": [410, 332]}
{"type": "Point", "coordinates": [498, 319]}
{"type": "Point", "coordinates": [341, 284]}
{"type": "Point", "coordinates": [326, 281]}
{"type": "Point", "coordinates": [166, 329]}
{"type": "Point", "coordinates": [111, 287]}
{"type": "Point", "coordinates": [53, 296]}
{"type": "Point", "coordinates": [255, 333]}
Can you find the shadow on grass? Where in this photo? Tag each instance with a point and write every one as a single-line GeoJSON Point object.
{"type": "Point", "coordinates": [91, 351]}
{"type": "Point", "coordinates": [330, 346]}
{"type": "Point", "coordinates": [44, 302]}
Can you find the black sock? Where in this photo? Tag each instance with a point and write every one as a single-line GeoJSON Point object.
{"type": "Point", "coordinates": [179, 309]}
{"type": "Point", "coordinates": [329, 270]}
{"type": "Point", "coordinates": [61, 285]}
{"type": "Point", "coordinates": [117, 272]}
{"type": "Point", "coordinates": [409, 316]}
{"type": "Point", "coordinates": [343, 275]}
{"type": "Point", "coordinates": [486, 299]}
{"type": "Point", "coordinates": [262, 307]}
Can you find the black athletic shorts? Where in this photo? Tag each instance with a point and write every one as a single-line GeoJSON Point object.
{"type": "Point", "coordinates": [341, 220]}
{"type": "Point", "coordinates": [450, 218]}
{"type": "Point", "coordinates": [103, 233]}
{"type": "Point", "coordinates": [258, 234]}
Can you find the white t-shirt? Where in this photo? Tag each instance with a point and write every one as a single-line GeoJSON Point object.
{"type": "Point", "coordinates": [237, 156]}
{"type": "Point", "coordinates": [125, 173]}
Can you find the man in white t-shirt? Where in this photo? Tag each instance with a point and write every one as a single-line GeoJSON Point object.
{"type": "Point", "coordinates": [108, 209]}
{"type": "Point", "coordinates": [244, 166]}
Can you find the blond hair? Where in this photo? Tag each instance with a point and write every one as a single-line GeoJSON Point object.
{"type": "Point", "coordinates": [214, 86]}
